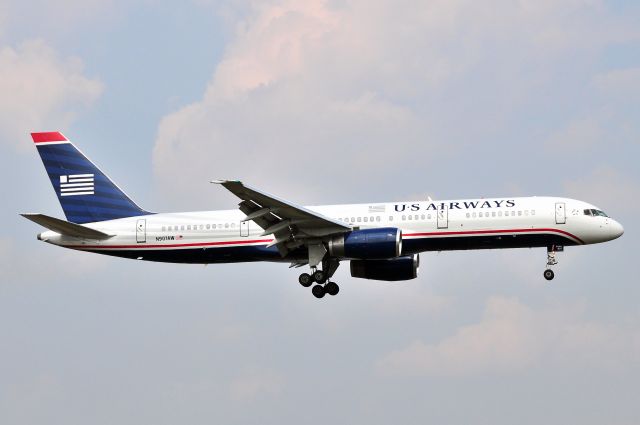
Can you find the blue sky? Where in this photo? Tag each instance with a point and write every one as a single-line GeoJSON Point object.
{"type": "Point", "coordinates": [322, 102]}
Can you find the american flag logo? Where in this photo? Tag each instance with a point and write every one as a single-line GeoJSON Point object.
{"type": "Point", "coordinates": [76, 184]}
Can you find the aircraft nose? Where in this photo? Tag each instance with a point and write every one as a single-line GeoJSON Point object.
{"type": "Point", "coordinates": [616, 229]}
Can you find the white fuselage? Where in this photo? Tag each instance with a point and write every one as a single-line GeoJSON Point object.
{"type": "Point", "coordinates": [425, 226]}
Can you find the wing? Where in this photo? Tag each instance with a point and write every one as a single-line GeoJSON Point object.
{"type": "Point", "coordinates": [291, 224]}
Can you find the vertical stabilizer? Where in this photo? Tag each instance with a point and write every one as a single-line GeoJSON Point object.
{"type": "Point", "coordinates": [85, 193]}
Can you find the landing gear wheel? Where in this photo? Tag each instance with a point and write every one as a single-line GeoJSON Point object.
{"type": "Point", "coordinates": [332, 288]}
{"type": "Point", "coordinates": [318, 291]}
{"type": "Point", "coordinates": [305, 280]}
{"type": "Point", "coordinates": [319, 276]}
{"type": "Point", "coordinates": [548, 274]}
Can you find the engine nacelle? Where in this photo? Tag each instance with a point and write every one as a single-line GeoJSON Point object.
{"type": "Point", "coordinates": [394, 269]}
{"type": "Point", "coordinates": [368, 244]}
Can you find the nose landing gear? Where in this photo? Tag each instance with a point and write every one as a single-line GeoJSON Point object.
{"type": "Point", "coordinates": [551, 260]}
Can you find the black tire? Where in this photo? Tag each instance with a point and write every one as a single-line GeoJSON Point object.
{"type": "Point", "coordinates": [548, 274]}
{"type": "Point", "coordinates": [319, 276]}
{"type": "Point", "coordinates": [305, 280]}
{"type": "Point", "coordinates": [318, 291]}
{"type": "Point", "coordinates": [332, 288]}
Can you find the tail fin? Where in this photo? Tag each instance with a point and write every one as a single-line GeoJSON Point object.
{"type": "Point", "coordinates": [85, 193]}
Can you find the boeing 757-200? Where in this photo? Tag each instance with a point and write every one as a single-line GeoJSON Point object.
{"type": "Point", "coordinates": [382, 241]}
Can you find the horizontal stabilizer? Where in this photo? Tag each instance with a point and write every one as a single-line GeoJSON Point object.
{"type": "Point", "coordinates": [66, 228]}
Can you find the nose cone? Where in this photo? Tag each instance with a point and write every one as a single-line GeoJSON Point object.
{"type": "Point", "coordinates": [616, 229]}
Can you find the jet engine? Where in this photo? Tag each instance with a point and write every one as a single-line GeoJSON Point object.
{"type": "Point", "coordinates": [394, 269]}
{"type": "Point", "coordinates": [368, 244]}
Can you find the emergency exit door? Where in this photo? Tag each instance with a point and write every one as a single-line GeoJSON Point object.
{"type": "Point", "coordinates": [141, 231]}
{"type": "Point", "coordinates": [443, 217]}
{"type": "Point", "coordinates": [561, 214]}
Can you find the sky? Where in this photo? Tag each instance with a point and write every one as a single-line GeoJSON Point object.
{"type": "Point", "coordinates": [322, 102]}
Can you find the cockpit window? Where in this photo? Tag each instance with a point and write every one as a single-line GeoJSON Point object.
{"type": "Point", "coordinates": [595, 213]}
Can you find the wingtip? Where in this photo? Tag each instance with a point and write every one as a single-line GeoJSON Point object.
{"type": "Point", "coordinates": [223, 181]}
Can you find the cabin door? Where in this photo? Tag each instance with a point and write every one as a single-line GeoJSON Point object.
{"type": "Point", "coordinates": [244, 228]}
{"type": "Point", "coordinates": [141, 231]}
{"type": "Point", "coordinates": [443, 217]}
{"type": "Point", "coordinates": [561, 214]}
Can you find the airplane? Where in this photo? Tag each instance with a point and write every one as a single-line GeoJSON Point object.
{"type": "Point", "coordinates": [382, 241]}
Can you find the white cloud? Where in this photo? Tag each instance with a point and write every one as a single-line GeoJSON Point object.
{"type": "Point", "coordinates": [313, 88]}
{"type": "Point", "coordinates": [606, 187]}
{"type": "Point", "coordinates": [620, 83]}
{"type": "Point", "coordinates": [512, 337]}
{"type": "Point", "coordinates": [42, 18]}
{"type": "Point", "coordinates": [40, 90]}
{"type": "Point", "coordinates": [4, 12]}
{"type": "Point", "coordinates": [579, 136]}
{"type": "Point", "coordinates": [19, 264]}
{"type": "Point", "coordinates": [256, 383]}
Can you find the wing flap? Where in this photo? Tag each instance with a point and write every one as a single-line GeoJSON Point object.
{"type": "Point", "coordinates": [290, 223]}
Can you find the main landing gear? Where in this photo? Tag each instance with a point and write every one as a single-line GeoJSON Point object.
{"type": "Point", "coordinates": [551, 260]}
{"type": "Point", "coordinates": [321, 279]}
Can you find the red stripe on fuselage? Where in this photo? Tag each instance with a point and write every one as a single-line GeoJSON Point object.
{"type": "Point", "coordinates": [480, 232]}
{"type": "Point", "coordinates": [51, 136]}
{"type": "Point", "coordinates": [175, 245]}
{"type": "Point", "coordinates": [255, 241]}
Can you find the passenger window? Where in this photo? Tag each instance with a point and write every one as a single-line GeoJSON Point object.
{"type": "Point", "coordinates": [493, 214]}
{"type": "Point", "coordinates": [226, 225]}
{"type": "Point", "coordinates": [533, 212]}
{"type": "Point", "coordinates": [480, 214]}
{"type": "Point", "coordinates": [526, 212]}
{"type": "Point", "coordinates": [519, 213]}
{"type": "Point", "coordinates": [390, 218]}
{"type": "Point", "coordinates": [378, 218]}
{"type": "Point", "coordinates": [404, 218]}
{"type": "Point", "coordinates": [164, 228]}
{"type": "Point", "coordinates": [233, 225]}
{"type": "Point", "coordinates": [474, 215]}
{"type": "Point", "coordinates": [416, 217]}
{"type": "Point", "coordinates": [208, 226]}
{"type": "Point", "coordinates": [423, 217]}
{"type": "Point", "coordinates": [513, 213]}
{"type": "Point", "coordinates": [468, 215]}
{"type": "Point", "coordinates": [409, 217]}
{"type": "Point", "coordinates": [188, 227]}
{"type": "Point", "coordinates": [359, 219]}
{"type": "Point", "coordinates": [499, 213]}
{"type": "Point", "coordinates": [366, 219]}
{"type": "Point", "coordinates": [182, 227]}
{"type": "Point", "coordinates": [353, 219]}
{"type": "Point", "coordinates": [429, 216]}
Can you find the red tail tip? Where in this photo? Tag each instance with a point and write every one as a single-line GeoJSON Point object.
{"type": "Point", "coordinates": [51, 136]}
